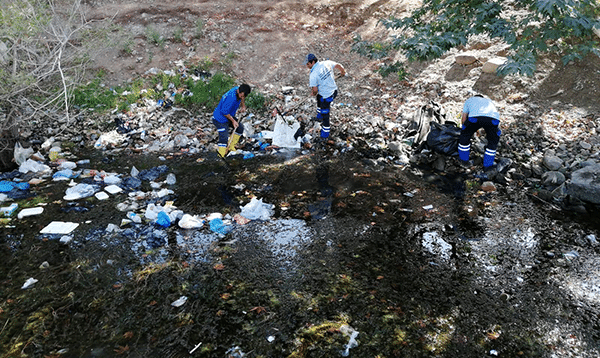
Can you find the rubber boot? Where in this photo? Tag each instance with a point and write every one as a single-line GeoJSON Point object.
{"type": "Point", "coordinates": [222, 151]}
{"type": "Point", "coordinates": [235, 138]}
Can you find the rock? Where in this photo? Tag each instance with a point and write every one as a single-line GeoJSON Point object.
{"type": "Point", "coordinates": [553, 178]}
{"type": "Point", "coordinates": [552, 162]}
{"type": "Point", "coordinates": [491, 66]}
{"type": "Point", "coordinates": [488, 186]}
{"type": "Point", "coordinates": [585, 184]}
{"type": "Point", "coordinates": [465, 59]}
{"type": "Point", "coordinates": [585, 145]}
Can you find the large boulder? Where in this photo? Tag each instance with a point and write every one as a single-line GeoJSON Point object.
{"type": "Point", "coordinates": [585, 184]}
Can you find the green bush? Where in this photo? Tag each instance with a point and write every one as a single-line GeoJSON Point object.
{"type": "Point", "coordinates": [257, 101]}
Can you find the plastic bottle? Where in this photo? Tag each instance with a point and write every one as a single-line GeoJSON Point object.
{"type": "Point", "coordinates": [83, 162]}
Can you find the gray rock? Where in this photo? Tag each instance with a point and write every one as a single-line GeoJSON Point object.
{"type": "Point", "coordinates": [553, 178]}
{"type": "Point", "coordinates": [585, 184]}
{"type": "Point", "coordinates": [552, 162]}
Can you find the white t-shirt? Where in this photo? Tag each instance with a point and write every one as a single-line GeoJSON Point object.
{"type": "Point", "coordinates": [322, 77]}
{"type": "Point", "coordinates": [480, 106]}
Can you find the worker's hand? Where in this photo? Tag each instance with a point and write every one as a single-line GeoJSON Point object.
{"type": "Point", "coordinates": [243, 108]}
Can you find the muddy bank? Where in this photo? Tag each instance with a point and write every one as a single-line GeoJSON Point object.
{"type": "Point", "coordinates": [356, 259]}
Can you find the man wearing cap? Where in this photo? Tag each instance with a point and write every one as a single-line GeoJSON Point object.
{"type": "Point", "coordinates": [479, 112]}
{"type": "Point", "coordinates": [224, 117]}
{"type": "Point", "coordinates": [322, 83]}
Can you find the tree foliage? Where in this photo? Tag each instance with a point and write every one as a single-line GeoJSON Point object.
{"type": "Point", "coordinates": [530, 27]}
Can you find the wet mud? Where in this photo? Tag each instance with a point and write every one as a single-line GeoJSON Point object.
{"type": "Point", "coordinates": [356, 260]}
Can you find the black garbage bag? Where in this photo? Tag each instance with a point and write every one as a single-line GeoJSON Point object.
{"type": "Point", "coordinates": [443, 138]}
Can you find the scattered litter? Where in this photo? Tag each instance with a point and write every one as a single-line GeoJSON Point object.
{"type": "Point", "coordinates": [9, 210]}
{"type": "Point", "coordinates": [33, 166]}
{"type": "Point", "coordinates": [352, 333]}
{"type": "Point", "coordinates": [428, 207]}
{"type": "Point", "coordinates": [30, 281]}
{"type": "Point", "coordinates": [270, 339]}
{"type": "Point", "coordinates": [163, 219]}
{"type": "Point", "coordinates": [59, 227]}
{"type": "Point", "coordinates": [188, 221]}
{"type": "Point", "coordinates": [235, 352]}
{"type": "Point", "coordinates": [6, 186]}
{"type": "Point", "coordinates": [112, 179]}
{"type": "Point", "coordinates": [113, 189]}
{"type": "Point", "coordinates": [179, 302]}
{"type": "Point", "coordinates": [30, 212]}
{"type": "Point", "coordinates": [79, 191]}
{"type": "Point", "coordinates": [67, 165]}
{"type": "Point", "coordinates": [64, 174]}
{"type": "Point", "coordinates": [171, 179]}
{"type": "Point", "coordinates": [196, 347]}
{"type": "Point", "coordinates": [218, 226]}
{"type": "Point", "coordinates": [101, 195]}
{"type": "Point", "coordinates": [66, 239]}
{"type": "Point", "coordinates": [240, 219]}
{"type": "Point", "coordinates": [257, 210]}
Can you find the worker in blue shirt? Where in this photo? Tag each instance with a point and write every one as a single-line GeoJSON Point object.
{"type": "Point", "coordinates": [322, 83]}
{"type": "Point", "coordinates": [479, 112]}
{"type": "Point", "coordinates": [224, 117]}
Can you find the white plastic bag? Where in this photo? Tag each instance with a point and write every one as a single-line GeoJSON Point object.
{"type": "Point", "coordinates": [22, 154]}
{"type": "Point", "coordinates": [190, 222]}
{"type": "Point", "coordinates": [257, 210]}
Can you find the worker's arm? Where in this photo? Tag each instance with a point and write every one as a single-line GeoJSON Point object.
{"type": "Point", "coordinates": [465, 115]}
{"type": "Point", "coordinates": [232, 120]}
{"type": "Point", "coordinates": [315, 90]}
{"type": "Point", "coordinates": [341, 69]}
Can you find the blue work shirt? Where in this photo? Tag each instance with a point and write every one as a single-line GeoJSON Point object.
{"type": "Point", "coordinates": [480, 107]}
{"type": "Point", "coordinates": [229, 104]}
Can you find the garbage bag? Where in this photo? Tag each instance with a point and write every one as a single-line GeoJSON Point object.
{"type": "Point", "coordinates": [22, 154]}
{"type": "Point", "coordinates": [257, 210]}
{"type": "Point", "coordinates": [443, 138]}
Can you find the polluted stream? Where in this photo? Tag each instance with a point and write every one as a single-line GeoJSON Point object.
{"type": "Point", "coordinates": [299, 254]}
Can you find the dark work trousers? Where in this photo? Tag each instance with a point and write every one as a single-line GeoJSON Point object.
{"type": "Point", "coordinates": [223, 130]}
{"type": "Point", "coordinates": [492, 133]}
{"type": "Point", "coordinates": [323, 109]}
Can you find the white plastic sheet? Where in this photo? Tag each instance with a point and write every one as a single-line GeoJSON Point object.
{"type": "Point", "coordinates": [257, 210]}
{"type": "Point", "coordinates": [284, 131]}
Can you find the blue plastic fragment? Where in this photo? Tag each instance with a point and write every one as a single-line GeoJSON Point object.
{"type": "Point", "coordinates": [218, 226]}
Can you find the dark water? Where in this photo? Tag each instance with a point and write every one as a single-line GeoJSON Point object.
{"type": "Point", "coordinates": [419, 263]}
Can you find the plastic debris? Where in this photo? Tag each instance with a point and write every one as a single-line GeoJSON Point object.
{"type": "Point", "coordinates": [59, 227]}
{"type": "Point", "coordinates": [188, 221]}
{"type": "Point", "coordinates": [235, 352]}
{"type": "Point", "coordinates": [64, 174]}
{"type": "Point", "coordinates": [196, 347]}
{"type": "Point", "coordinates": [352, 333]}
{"type": "Point", "coordinates": [6, 186]}
{"type": "Point", "coordinates": [113, 189]}
{"type": "Point", "coordinates": [101, 195]}
{"type": "Point", "coordinates": [30, 282]}
{"type": "Point", "coordinates": [9, 210]}
{"type": "Point", "coordinates": [179, 302]}
{"type": "Point", "coordinates": [163, 219]}
{"type": "Point", "coordinates": [257, 210]}
{"type": "Point", "coordinates": [65, 239]}
{"type": "Point", "coordinates": [134, 217]}
{"type": "Point", "coordinates": [218, 226]}
{"type": "Point", "coordinates": [171, 179]}
{"type": "Point", "coordinates": [30, 212]}
{"type": "Point", "coordinates": [240, 219]}
{"type": "Point", "coordinates": [21, 154]}
{"type": "Point", "coordinates": [79, 191]}
{"type": "Point", "coordinates": [112, 180]}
